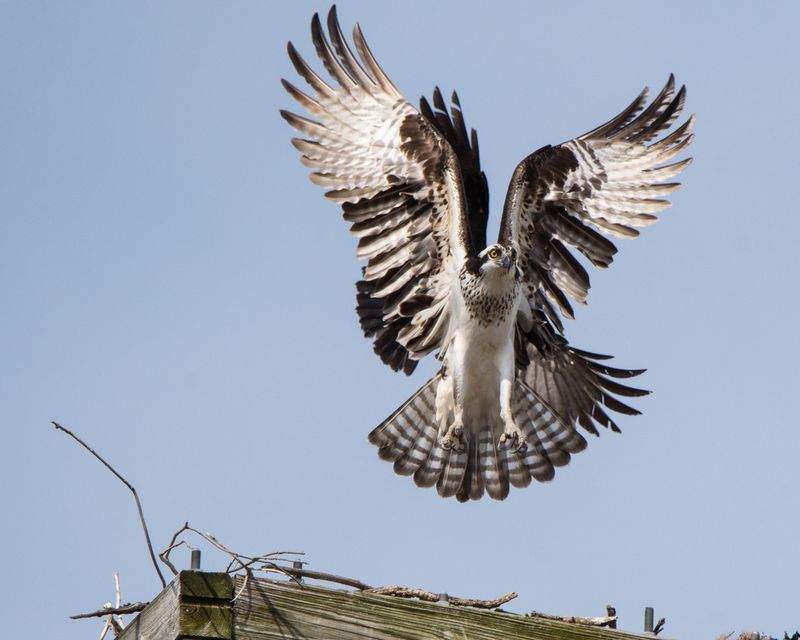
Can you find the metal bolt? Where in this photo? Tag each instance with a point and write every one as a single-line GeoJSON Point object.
{"type": "Point", "coordinates": [444, 600]}
{"type": "Point", "coordinates": [195, 564]}
{"type": "Point", "coordinates": [648, 619]}
{"type": "Point", "coordinates": [298, 564]}
{"type": "Point", "coordinates": [611, 612]}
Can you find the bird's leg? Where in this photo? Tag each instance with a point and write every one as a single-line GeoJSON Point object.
{"type": "Point", "coordinates": [454, 436]}
{"type": "Point", "coordinates": [512, 436]}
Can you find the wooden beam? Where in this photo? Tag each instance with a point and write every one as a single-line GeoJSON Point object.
{"type": "Point", "coordinates": [194, 605]}
{"type": "Point", "coordinates": [270, 610]}
{"type": "Point", "coordinates": [215, 606]}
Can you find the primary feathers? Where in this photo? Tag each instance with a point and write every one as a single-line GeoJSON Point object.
{"type": "Point", "coordinates": [505, 407]}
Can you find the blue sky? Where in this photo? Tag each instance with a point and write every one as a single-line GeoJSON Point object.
{"type": "Point", "coordinates": [177, 292]}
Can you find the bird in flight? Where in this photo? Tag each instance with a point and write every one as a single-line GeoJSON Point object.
{"type": "Point", "coordinates": [506, 405]}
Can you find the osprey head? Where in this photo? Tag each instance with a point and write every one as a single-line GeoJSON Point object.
{"type": "Point", "coordinates": [497, 259]}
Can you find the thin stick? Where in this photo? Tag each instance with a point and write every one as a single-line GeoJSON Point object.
{"type": "Point", "coordinates": [119, 594]}
{"type": "Point", "coordinates": [428, 596]}
{"type": "Point", "coordinates": [133, 491]}
{"type": "Point", "coordinates": [268, 563]}
{"type": "Point", "coordinates": [600, 621]}
{"type": "Point", "coordinates": [238, 562]}
{"type": "Point", "coordinates": [327, 577]}
{"type": "Point", "coordinates": [129, 607]}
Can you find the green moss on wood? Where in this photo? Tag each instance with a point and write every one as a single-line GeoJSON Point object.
{"type": "Point", "coordinates": [212, 586]}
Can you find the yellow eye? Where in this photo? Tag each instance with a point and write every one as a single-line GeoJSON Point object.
{"type": "Point", "coordinates": [493, 254]}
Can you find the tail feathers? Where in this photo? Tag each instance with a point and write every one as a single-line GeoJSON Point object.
{"type": "Point", "coordinates": [481, 467]}
{"type": "Point", "coordinates": [493, 465]}
{"type": "Point", "coordinates": [410, 462]}
{"type": "Point", "coordinates": [550, 441]}
{"type": "Point", "coordinates": [452, 476]}
{"type": "Point", "coordinates": [472, 486]}
{"type": "Point", "coordinates": [407, 436]}
{"type": "Point", "coordinates": [428, 473]}
{"type": "Point", "coordinates": [409, 439]}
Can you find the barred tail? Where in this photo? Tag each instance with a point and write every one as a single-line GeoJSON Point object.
{"type": "Point", "coordinates": [409, 439]}
{"type": "Point", "coordinates": [408, 436]}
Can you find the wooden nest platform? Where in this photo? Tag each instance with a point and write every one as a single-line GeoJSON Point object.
{"type": "Point", "coordinates": [218, 606]}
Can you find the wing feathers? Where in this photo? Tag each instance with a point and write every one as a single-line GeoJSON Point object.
{"type": "Point", "coordinates": [398, 179]}
{"type": "Point", "coordinates": [612, 179]}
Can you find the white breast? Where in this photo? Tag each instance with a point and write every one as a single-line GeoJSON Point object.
{"type": "Point", "coordinates": [482, 356]}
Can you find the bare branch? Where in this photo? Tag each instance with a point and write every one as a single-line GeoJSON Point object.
{"type": "Point", "coordinates": [271, 563]}
{"type": "Point", "coordinates": [164, 555]}
{"type": "Point", "coordinates": [127, 484]}
{"type": "Point", "coordinates": [128, 607]}
{"type": "Point", "coordinates": [116, 585]}
{"type": "Point", "coordinates": [244, 585]}
{"type": "Point", "coordinates": [327, 577]}
{"type": "Point", "coordinates": [428, 596]}
{"type": "Point", "coordinates": [238, 562]}
{"type": "Point", "coordinates": [106, 627]}
{"type": "Point", "coordinates": [601, 621]}
{"type": "Point", "coordinates": [483, 604]}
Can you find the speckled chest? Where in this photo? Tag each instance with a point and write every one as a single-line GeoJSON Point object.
{"type": "Point", "coordinates": [488, 302]}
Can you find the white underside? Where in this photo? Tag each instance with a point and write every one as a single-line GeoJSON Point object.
{"type": "Point", "coordinates": [479, 364]}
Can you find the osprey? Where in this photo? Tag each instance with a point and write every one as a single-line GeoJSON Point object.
{"type": "Point", "coordinates": [511, 393]}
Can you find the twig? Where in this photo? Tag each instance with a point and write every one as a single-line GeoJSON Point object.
{"type": "Point", "coordinates": [600, 621]}
{"type": "Point", "coordinates": [659, 626]}
{"type": "Point", "coordinates": [239, 562]}
{"type": "Point", "coordinates": [128, 607]}
{"type": "Point", "coordinates": [269, 563]}
{"type": "Point", "coordinates": [400, 592]}
{"type": "Point", "coordinates": [247, 575]}
{"type": "Point", "coordinates": [428, 596]}
{"type": "Point", "coordinates": [328, 577]}
{"type": "Point", "coordinates": [133, 491]}
{"type": "Point", "coordinates": [483, 604]}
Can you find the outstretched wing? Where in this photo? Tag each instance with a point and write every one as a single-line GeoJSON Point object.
{"type": "Point", "coordinates": [399, 183]}
{"type": "Point", "coordinates": [476, 188]}
{"type": "Point", "coordinates": [606, 182]}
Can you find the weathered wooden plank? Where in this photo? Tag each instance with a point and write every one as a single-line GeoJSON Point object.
{"type": "Point", "coordinates": [194, 605]}
{"type": "Point", "coordinates": [159, 620]}
{"type": "Point", "coordinates": [207, 586]}
{"type": "Point", "coordinates": [269, 610]}
{"type": "Point", "coordinates": [205, 605]}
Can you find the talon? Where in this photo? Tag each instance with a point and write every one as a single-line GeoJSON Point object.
{"type": "Point", "coordinates": [512, 439]}
{"type": "Point", "coordinates": [452, 439]}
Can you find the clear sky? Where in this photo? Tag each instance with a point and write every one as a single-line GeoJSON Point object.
{"type": "Point", "coordinates": [176, 291]}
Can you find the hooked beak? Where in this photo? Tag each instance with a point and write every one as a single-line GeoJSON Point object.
{"type": "Point", "coordinates": [505, 262]}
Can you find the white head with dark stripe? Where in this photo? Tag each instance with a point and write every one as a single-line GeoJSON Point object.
{"type": "Point", "coordinates": [497, 260]}
{"type": "Point", "coordinates": [490, 283]}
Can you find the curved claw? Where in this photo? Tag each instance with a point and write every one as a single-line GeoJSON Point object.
{"type": "Point", "coordinates": [453, 439]}
{"type": "Point", "coordinates": [512, 439]}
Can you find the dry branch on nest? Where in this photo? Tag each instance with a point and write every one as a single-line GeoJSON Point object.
{"type": "Point", "coordinates": [599, 621]}
{"type": "Point", "coordinates": [279, 562]}
{"type": "Point", "coordinates": [427, 596]}
{"type": "Point", "coordinates": [127, 484]}
{"type": "Point", "coordinates": [114, 614]}
{"type": "Point", "coordinates": [128, 607]}
{"type": "Point", "coordinates": [239, 561]}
